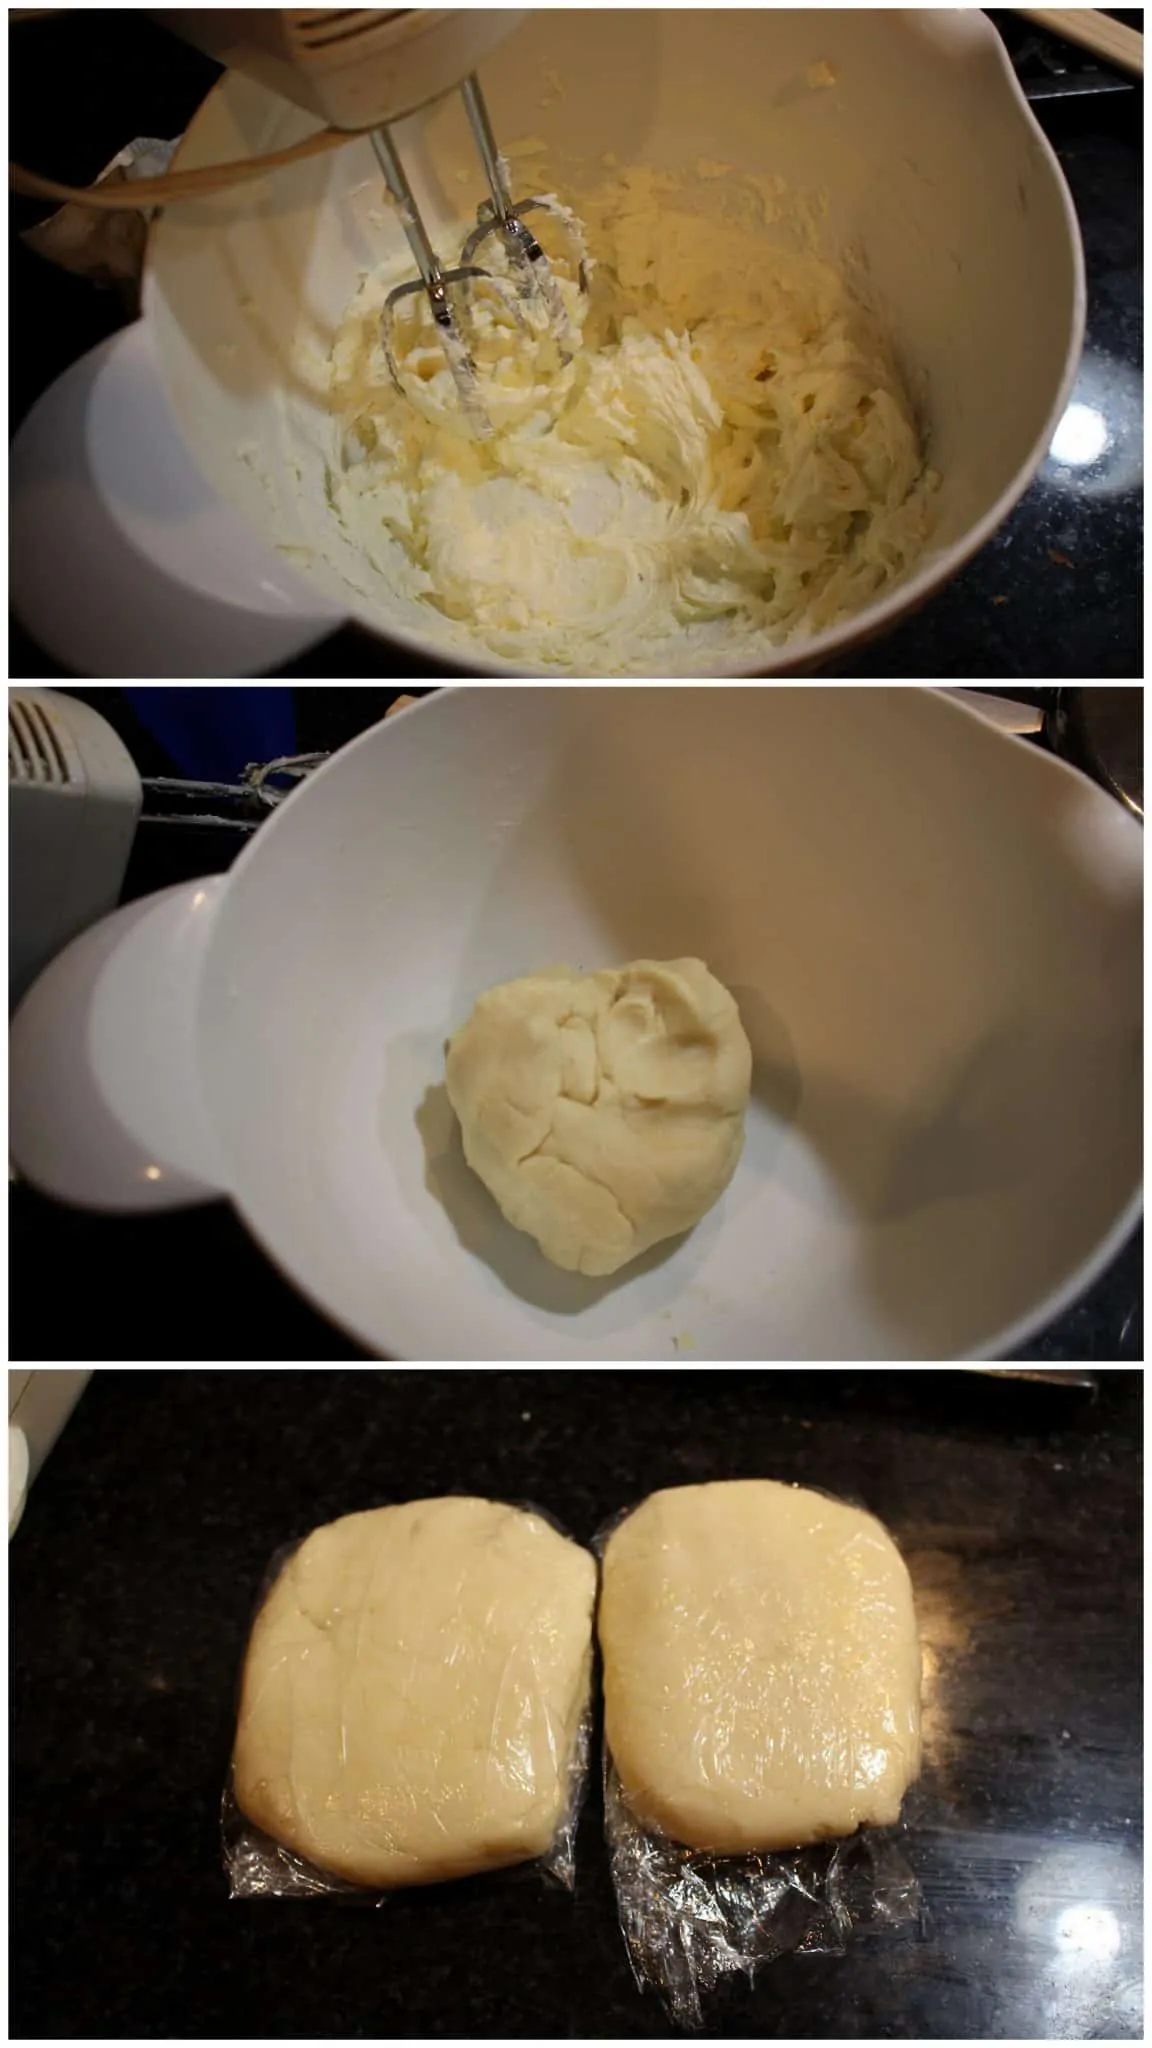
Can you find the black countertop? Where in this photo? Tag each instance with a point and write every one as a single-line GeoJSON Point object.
{"type": "Point", "coordinates": [143, 1544]}
{"type": "Point", "coordinates": [192, 1284]}
{"type": "Point", "coordinates": [1055, 594]}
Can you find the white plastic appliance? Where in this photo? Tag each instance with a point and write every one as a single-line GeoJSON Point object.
{"type": "Point", "coordinates": [355, 67]}
{"type": "Point", "coordinates": [73, 801]}
{"type": "Point", "coordinates": [39, 1404]}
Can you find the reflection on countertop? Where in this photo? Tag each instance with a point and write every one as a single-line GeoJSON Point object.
{"type": "Point", "coordinates": [1098, 447]}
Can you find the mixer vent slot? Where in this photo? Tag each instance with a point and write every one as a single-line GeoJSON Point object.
{"type": "Point", "coordinates": [320, 28]}
{"type": "Point", "coordinates": [34, 750]}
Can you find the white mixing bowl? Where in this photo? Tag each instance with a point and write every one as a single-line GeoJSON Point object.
{"type": "Point", "coordinates": [933, 932]}
{"type": "Point", "coordinates": [942, 194]}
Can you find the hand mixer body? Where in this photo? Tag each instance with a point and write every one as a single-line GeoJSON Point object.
{"type": "Point", "coordinates": [364, 69]}
{"type": "Point", "coordinates": [354, 68]}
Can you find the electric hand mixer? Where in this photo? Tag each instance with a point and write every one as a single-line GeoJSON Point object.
{"type": "Point", "coordinates": [362, 70]}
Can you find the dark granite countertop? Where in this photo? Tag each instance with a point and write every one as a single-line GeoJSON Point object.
{"type": "Point", "coordinates": [144, 1541]}
{"type": "Point", "coordinates": [1055, 594]}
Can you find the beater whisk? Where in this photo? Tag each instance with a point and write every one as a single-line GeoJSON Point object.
{"type": "Point", "coordinates": [532, 282]}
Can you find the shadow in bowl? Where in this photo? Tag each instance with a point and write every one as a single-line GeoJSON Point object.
{"type": "Point", "coordinates": [776, 1082]}
{"type": "Point", "coordinates": [515, 1258]}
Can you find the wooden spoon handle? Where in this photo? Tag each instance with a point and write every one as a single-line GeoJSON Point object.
{"type": "Point", "coordinates": [1094, 31]}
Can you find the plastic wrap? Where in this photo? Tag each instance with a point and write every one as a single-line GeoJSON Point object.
{"type": "Point", "coordinates": [691, 1916]}
{"type": "Point", "coordinates": [106, 247]}
{"type": "Point", "coordinates": [689, 1919]}
{"type": "Point", "coordinates": [457, 1739]}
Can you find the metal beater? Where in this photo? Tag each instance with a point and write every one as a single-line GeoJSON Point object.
{"type": "Point", "coordinates": [533, 280]}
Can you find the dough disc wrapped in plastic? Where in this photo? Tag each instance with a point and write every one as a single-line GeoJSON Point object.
{"type": "Point", "coordinates": [761, 1666]}
{"type": "Point", "coordinates": [414, 1691]}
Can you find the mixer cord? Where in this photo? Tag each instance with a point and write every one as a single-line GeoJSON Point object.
{"type": "Point", "coordinates": [135, 193]}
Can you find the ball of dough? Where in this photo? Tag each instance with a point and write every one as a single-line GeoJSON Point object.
{"type": "Point", "coordinates": [413, 1692]}
{"type": "Point", "coordinates": [603, 1111]}
{"type": "Point", "coordinates": [761, 1666]}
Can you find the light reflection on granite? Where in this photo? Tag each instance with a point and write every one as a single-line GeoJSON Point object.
{"type": "Point", "coordinates": [1098, 448]}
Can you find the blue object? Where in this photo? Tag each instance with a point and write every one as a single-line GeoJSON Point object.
{"type": "Point", "coordinates": [212, 733]}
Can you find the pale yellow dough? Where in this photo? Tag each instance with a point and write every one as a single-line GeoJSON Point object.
{"type": "Point", "coordinates": [605, 1111]}
{"type": "Point", "coordinates": [761, 1666]}
{"type": "Point", "coordinates": [730, 462]}
{"type": "Point", "coordinates": [413, 1692]}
